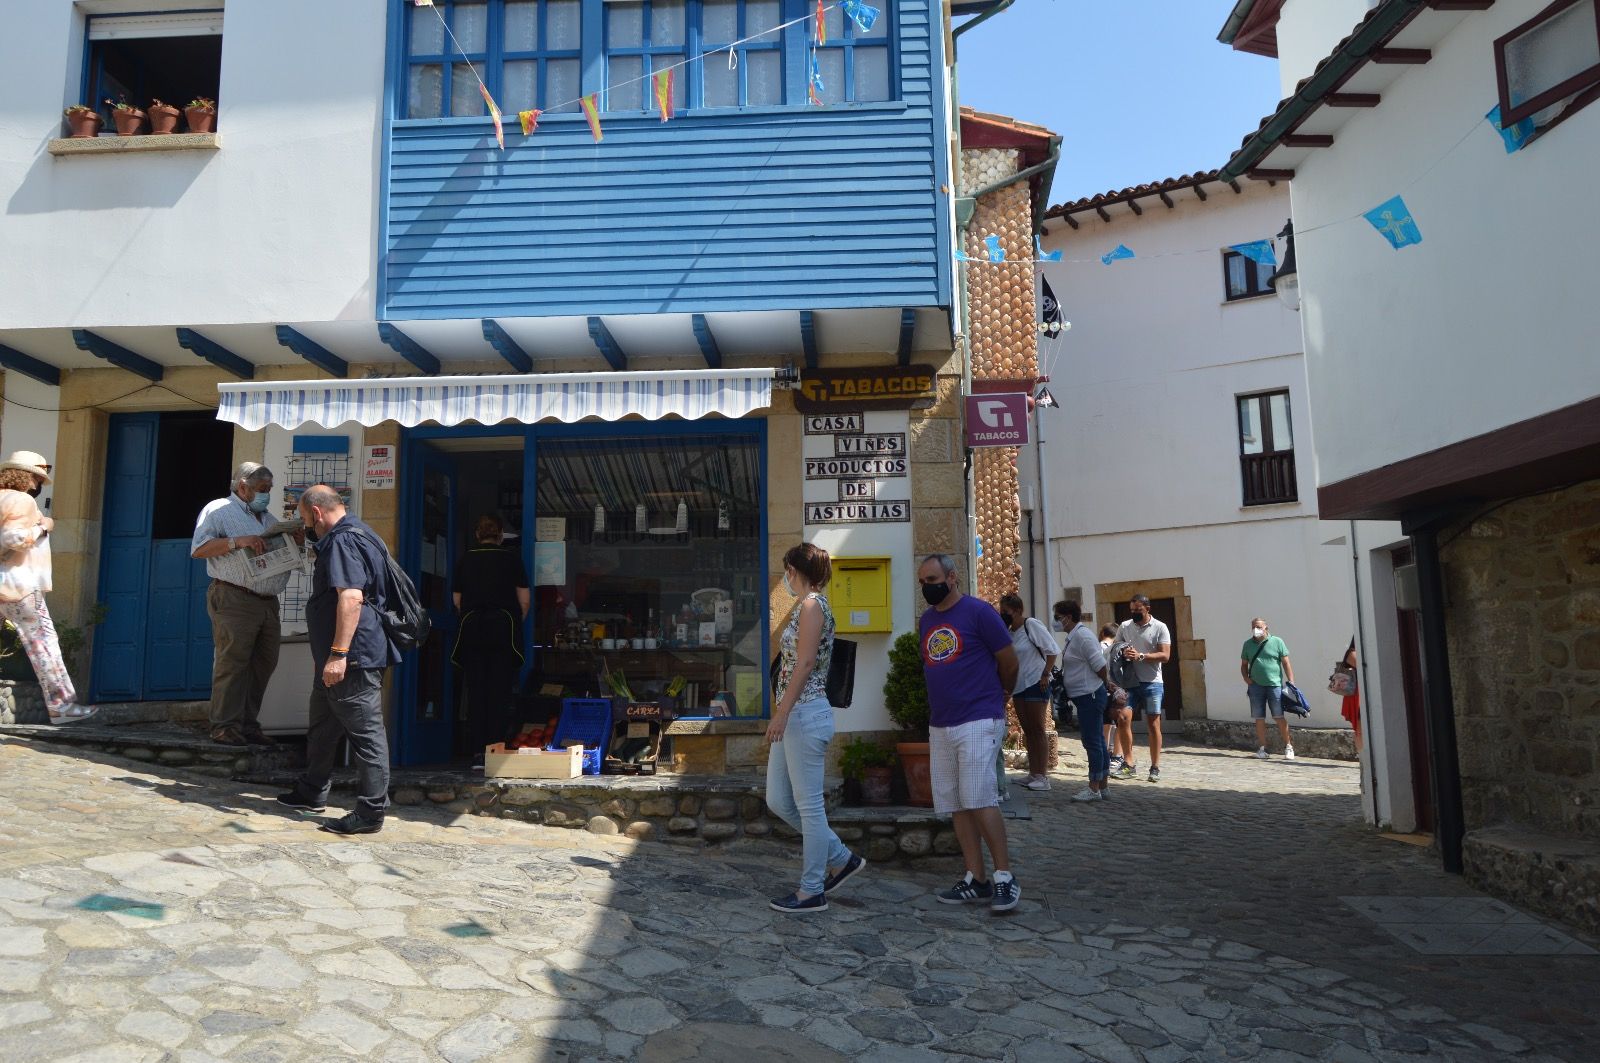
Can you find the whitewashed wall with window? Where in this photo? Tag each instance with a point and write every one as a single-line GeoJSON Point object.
{"type": "Point", "coordinates": [1143, 457]}
{"type": "Point", "coordinates": [277, 225]}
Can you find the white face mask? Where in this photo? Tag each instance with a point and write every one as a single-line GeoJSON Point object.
{"type": "Point", "coordinates": [788, 586]}
{"type": "Point", "coordinates": [1258, 632]}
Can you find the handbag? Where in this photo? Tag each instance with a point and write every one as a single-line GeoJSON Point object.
{"type": "Point", "coordinates": [1343, 680]}
{"type": "Point", "coordinates": [841, 681]}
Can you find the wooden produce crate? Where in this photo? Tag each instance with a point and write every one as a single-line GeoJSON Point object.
{"type": "Point", "coordinates": [502, 763]}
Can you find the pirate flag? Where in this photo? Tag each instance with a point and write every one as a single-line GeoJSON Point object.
{"type": "Point", "coordinates": [1050, 313]}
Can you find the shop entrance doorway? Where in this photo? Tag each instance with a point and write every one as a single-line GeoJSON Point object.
{"type": "Point", "coordinates": [452, 482]}
{"type": "Point", "coordinates": [1166, 611]}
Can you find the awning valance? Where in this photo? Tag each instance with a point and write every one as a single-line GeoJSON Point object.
{"type": "Point", "coordinates": [530, 398]}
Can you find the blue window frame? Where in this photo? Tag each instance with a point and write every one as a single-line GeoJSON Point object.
{"type": "Point", "coordinates": [547, 53]}
{"type": "Point", "coordinates": [855, 63]}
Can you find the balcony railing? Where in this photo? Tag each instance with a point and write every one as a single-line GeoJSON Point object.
{"type": "Point", "coordinates": [1269, 478]}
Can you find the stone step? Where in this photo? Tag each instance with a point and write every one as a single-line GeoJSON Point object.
{"type": "Point", "coordinates": [172, 745]}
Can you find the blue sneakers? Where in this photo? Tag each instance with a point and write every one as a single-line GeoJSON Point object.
{"type": "Point", "coordinates": [793, 905]}
{"type": "Point", "coordinates": [852, 867]}
{"type": "Point", "coordinates": [967, 891]}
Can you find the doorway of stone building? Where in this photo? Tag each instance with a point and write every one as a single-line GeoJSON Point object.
{"type": "Point", "coordinates": [1166, 611]}
{"type": "Point", "coordinates": [1409, 629]}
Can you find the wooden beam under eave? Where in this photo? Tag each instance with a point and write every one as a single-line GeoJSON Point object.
{"type": "Point", "coordinates": [1072, 223]}
{"type": "Point", "coordinates": [1201, 192]}
{"type": "Point", "coordinates": [1134, 206]}
{"type": "Point", "coordinates": [1401, 56]}
{"type": "Point", "coordinates": [1270, 175]}
{"type": "Point", "coordinates": [908, 328]}
{"type": "Point", "coordinates": [1235, 186]}
{"type": "Point", "coordinates": [1307, 140]}
{"type": "Point", "coordinates": [1461, 5]}
{"type": "Point", "coordinates": [1166, 199]}
{"type": "Point", "coordinates": [808, 338]}
{"type": "Point", "coordinates": [1102, 212]}
{"type": "Point", "coordinates": [1352, 99]}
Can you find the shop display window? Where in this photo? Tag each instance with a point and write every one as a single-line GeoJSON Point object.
{"type": "Point", "coordinates": [648, 571]}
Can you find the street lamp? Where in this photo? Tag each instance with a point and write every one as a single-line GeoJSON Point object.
{"type": "Point", "coordinates": [1286, 281]}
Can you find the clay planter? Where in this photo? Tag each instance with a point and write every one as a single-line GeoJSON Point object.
{"type": "Point", "coordinates": [130, 123]}
{"type": "Point", "coordinates": [919, 780]}
{"type": "Point", "coordinates": [84, 125]}
{"type": "Point", "coordinates": [876, 784]}
{"type": "Point", "coordinates": [201, 120]}
{"type": "Point", "coordinates": [163, 119]}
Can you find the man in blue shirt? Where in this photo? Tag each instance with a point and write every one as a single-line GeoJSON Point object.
{"type": "Point", "coordinates": [350, 650]}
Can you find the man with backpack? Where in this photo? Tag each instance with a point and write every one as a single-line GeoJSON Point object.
{"type": "Point", "coordinates": [351, 646]}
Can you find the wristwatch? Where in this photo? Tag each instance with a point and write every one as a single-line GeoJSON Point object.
{"type": "Point", "coordinates": [232, 544]}
{"type": "Point", "coordinates": [341, 654]}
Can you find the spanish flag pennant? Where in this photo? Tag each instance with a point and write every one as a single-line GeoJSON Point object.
{"type": "Point", "coordinates": [822, 24]}
{"type": "Point", "coordinates": [529, 120]}
{"type": "Point", "coordinates": [494, 112]}
{"type": "Point", "coordinates": [664, 79]}
{"type": "Point", "coordinates": [591, 111]}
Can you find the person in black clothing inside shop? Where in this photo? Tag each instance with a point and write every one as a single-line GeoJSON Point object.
{"type": "Point", "coordinates": [491, 594]}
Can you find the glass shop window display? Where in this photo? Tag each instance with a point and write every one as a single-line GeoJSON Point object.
{"type": "Point", "coordinates": [647, 571]}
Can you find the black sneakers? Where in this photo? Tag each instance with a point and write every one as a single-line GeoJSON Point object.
{"type": "Point", "coordinates": [854, 866]}
{"type": "Point", "coordinates": [353, 823]}
{"type": "Point", "coordinates": [967, 891]}
{"type": "Point", "coordinates": [293, 800]}
{"type": "Point", "coordinates": [793, 905]}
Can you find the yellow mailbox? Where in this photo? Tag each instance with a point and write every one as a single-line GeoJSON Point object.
{"type": "Point", "coordinates": [859, 594]}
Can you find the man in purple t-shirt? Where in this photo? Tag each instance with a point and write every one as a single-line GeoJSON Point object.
{"type": "Point", "coordinates": [969, 665]}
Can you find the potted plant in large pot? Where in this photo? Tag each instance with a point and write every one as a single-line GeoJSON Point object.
{"type": "Point", "coordinates": [201, 115]}
{"type": "Point", "coordinates": [163, 118]}
{"type": "Point", "coordinates": [129, 119]}
{"type": "Point", "coordinates": [905, 695]}
{"type": "Point", "coordinates": [868, 771]}
{"type": "Point", "coordinates": [83, 122]}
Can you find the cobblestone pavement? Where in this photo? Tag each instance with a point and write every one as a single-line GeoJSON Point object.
{"type": "Point", "coordinates": [145, 916]}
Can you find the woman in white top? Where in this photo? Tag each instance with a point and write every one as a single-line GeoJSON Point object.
{"type": "Point", "coordinates": [1036, 659]}
{"type": "Point", "coordinates": [1083, 671]}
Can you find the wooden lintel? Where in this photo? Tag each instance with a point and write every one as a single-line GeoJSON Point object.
{"type": "Point", "coordinates": [1102, 212]}
{"type": "Point", "coordinates": [1270, 175]}
{"type": "Point", "coordinates": [1133, 205]}
{"type": "Point", "coordinates": [1401, 56]}
{"type": "Point", "coordinates": [1352, 99]}
{"type": "Point", "coordinates": [1307, 140]}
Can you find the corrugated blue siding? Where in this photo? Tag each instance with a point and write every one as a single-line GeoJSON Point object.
{"type": "Point", "coordinates": [793, 209]}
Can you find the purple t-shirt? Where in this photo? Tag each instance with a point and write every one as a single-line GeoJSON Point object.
{"type": "Point", "coordinates": [958, 648]}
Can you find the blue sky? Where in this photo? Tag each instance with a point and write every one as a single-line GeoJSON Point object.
{"type": "Point", "coordinates": [1138, 89]}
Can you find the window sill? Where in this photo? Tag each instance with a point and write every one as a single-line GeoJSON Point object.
{"type": "Point", "coordinates": [1247, 298]}
{"type": "Point", "coordinates": [577, 117]}
{"type": "Point", "coordinates": [1254, 506]}
{"type": "Point", "coordinates": [114, 145]}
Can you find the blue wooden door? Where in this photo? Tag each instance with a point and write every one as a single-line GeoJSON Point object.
{"type": "Point", "coordinates": [155, 643]}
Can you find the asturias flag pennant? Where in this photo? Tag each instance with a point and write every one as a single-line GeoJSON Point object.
{"type": "Point", "coordinates": [663, 79]}
{"type": "Point", "coordinates": [591, 111]}
{"type": "Point", "coordinates": [494, 112]}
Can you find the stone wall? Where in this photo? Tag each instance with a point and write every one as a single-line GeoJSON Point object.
{"type": "Point", "coordinates": [1523, 621]}
{"type": "Point", "coordinates": [1324, 743]}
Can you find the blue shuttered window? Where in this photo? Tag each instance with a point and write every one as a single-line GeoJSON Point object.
{"type": "Point", "coordinates": [533, 53]}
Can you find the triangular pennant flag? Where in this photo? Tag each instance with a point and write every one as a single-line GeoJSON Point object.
{"type": "Point", "coordinates": [663, 80]}
{"type": "Point", "coordinates": [864, 16]}
{"type": "Point", "coordinates": [1120, 251]}
{"type": "Point", "coordinates": [814, 84]}
{"type": "Point", "coordinates": [1514, 135]}
{"type": "Point", "coordinates": [1259, 251]}
{"type": "Point", "coordinates": [494, 112]}
{"type": "Point", "coordinates": [1393, 219]}
{"type": "Point", "coordinates": [591, 111]}
{"type": "Point", "coordinates": [529, 120]}
{"type": "Point", "coordinates": [423, 3]}
{"type": "Point", "coordinates": [1042, 254]}
{"type": "Point", "coordinates": [1049, 312]}
{"type": "Point", "coordinates": [962, 256]}
{"type": "Point", "coordinates": [996, 252]}
{"type": "Point", "coordinates": [1046, 400]}
{"type": "Point", "coordinates": [822, 24]}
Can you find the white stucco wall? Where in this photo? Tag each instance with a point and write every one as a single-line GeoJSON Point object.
{"type": "Point", "coordinates": [278, 225]}
{"type": "Point", "coordinates": [29, 420]}
{"type": "Point", "coordinates": [1308, 30]}
{"type": "Point", "coordinates": [1143, 455]}
{"type": "Point", "coordinates": [1488, 321]}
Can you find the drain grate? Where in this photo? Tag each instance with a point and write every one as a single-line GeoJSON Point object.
{"type": "Point", "coordinates": [1466, 926]}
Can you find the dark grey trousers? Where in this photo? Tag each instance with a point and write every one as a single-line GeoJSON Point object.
{"type": "Point", "coordinates": [353, 708]}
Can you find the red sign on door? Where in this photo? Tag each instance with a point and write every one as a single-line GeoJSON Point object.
{"type": "Point", "coordinates": [997, 420]}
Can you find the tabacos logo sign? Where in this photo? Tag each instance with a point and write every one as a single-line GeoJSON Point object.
{"type": "Point", "coordinates": [997, 420]}
{"type": "Point", "coordinates": [890, 387]}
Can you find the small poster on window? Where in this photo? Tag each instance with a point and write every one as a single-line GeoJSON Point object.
{"type": "Point", "coordinates": [550, 529]}
{"type": "Point", "coordinates": [549, 564]}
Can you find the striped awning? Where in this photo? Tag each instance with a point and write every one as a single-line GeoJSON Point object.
{"type": "Point", "coordinates": [564, 397]}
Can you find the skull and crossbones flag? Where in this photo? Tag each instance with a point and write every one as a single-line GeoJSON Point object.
{"type": "Point", "coordinates": [1050, 312]}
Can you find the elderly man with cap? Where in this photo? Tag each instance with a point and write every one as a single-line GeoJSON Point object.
{"type": "Point", "coordinates": [25, 577]}
{"type": "Point", "coordinates": [244, 616]}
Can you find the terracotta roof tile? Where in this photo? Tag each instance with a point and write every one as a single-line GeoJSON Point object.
{"type": "Point", "coordinates": [1170, 184]}
{"type": "Point", "coordinates": [969, 114]}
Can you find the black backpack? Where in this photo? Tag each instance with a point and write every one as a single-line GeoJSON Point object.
{"type": "Point", "coordinates": [402, 615]}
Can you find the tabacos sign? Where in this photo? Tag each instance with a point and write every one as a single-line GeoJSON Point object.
{"type": "Point", "coordinates": [889, 387]}
{"type": "Point", "coordinates": [997, 420]}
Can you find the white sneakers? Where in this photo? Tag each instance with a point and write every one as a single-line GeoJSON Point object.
{"type": "Point", "coordinates": [1288, 752]}
{"type": "Point", "coordinates": [1261, 754]}
{"type": "Point", "coordinates": [1037, 782]}
{"type": "Point", "coordinates": [1087, 794]}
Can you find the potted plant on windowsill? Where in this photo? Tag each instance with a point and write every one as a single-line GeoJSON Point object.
{"type": "Point", "coordinates": [83, 122]}
{"type": "Point", "coordinates": [905, 695]}
{"type": "Point", "coordinates": [163, 118]}
{"type": "Point", "coordinates": [129, 119]}
{"type": "Point", "coordinates": [201, 114]}
{"type": "Point", "coordinates": [868, 771]}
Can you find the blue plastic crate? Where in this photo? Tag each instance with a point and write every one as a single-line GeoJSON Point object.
{"type": "Point", "coordinates": [585, 722]}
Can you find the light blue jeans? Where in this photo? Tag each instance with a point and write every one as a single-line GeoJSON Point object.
{"type": "Point", "coordinates": [795, 768]}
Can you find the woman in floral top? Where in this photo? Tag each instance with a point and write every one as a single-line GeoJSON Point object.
{"type": "Point", "coordinates": [801, 728]}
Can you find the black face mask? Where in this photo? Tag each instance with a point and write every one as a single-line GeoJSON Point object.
{"type": "Point", "coordinates": [934, 593]}
{"type": "Point", "coordinates": [1008, 618]}
{"type": "Point", "coordinates": [33, 492]}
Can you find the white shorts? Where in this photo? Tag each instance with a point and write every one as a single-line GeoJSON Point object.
{"type": "Point", "coordinates": [961, 762]}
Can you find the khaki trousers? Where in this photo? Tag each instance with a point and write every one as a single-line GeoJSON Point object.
{"type": "Point", "coordinates": [246, 632]}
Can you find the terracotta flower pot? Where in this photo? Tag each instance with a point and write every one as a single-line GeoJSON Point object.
{"type": "Point", "coordinates": [163, 119]}
{"type": "Point", "coordinates": [201, 120]}
{"type": "Point", "coordinates": [919, 778]}
{"type": "Point", "coordinates": [876, 783]}
{"type": "Point", "coordinates": [130, 123]}
{"type": "Point", "coordinates": [84, 125]}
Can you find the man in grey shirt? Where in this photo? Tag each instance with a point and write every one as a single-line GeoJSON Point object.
{"type": "Point", "coordinates": [244, 615]}
{"type": "Point", "coordinates": [1145, 643]}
